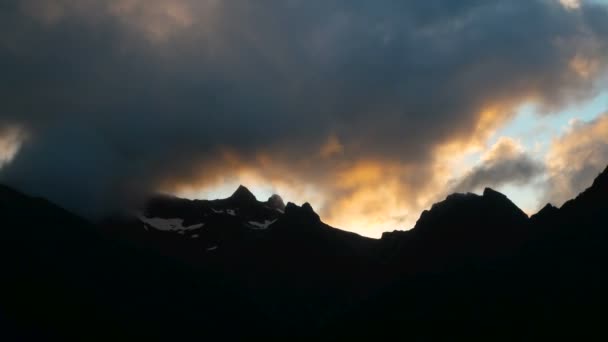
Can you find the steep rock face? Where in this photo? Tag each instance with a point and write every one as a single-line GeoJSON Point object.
{"type": "Point", "coordinates": [578, 227]}
{"type": "Point", "coordinates": [600, 184]}
{"type": "Point", "coordinates": [593, 200]}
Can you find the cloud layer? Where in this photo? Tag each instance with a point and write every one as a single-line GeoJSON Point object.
{"type": "Point", "coordinates": [362, 101]}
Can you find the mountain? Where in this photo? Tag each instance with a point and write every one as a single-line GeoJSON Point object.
{"type": "Point", "coordinates": [474, 266]}
{"type": "Point", "coordinates": [279, 258]}
{"type": "Point", "coordinates": [464, 228]}
{"type": "Point", "coordinates": [548, 283]}
{"type": "Point", "coordinates": [65, 278]}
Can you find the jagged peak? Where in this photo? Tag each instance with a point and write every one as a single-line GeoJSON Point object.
{"type": "Point", "coordinates": [242, 193]}
{"type": "Point", "coordinates": [305, 212]}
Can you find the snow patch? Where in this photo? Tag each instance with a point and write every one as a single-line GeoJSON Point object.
{"type": "Point", "coordinates": [261, 225]}
{"type": "Point", "coordinates": [230, 212]}
{"type": "Point", "coordinates": [275, 209]}
{"type": "Point", "coordinates": [168, 225]}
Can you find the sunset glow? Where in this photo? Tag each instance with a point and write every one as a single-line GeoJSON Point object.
{"type": "Point", "coordinates": [371, 113]}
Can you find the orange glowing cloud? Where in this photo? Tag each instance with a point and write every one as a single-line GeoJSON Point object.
{"type": "Point", "coordinates": [332, 147]}
{"type": "Point", "coordinates": [10, 142]}
{"type": "Point", "coordinates": [368, 196]}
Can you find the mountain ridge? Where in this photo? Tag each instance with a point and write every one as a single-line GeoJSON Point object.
{"type": "Point", "coordinates": [471, 260]}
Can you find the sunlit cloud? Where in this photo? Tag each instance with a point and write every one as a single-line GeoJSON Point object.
{"type": "Point", "coordinates": [332, 147]}
{"type": "Point", "coordinates": [584, 67]}
{"type": "Point", "coordinates": [10, 141]}
{"type": "Point", "coordinates": [576, 158]}
{"type": "Point", "coordinates": [571, 4]}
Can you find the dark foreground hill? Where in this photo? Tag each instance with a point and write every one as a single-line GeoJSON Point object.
{"type": "Point", "coordinates": [473, 266]}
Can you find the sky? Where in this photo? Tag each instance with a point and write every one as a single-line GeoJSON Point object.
{"type": "Point", "coordinates": [370, 111]}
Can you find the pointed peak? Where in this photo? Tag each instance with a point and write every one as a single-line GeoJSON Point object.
{"type": "Point", "coordinates": [242, 193]}
{"type": "Point", "coordinates": [549, 206]}
{"type": "Point", "coordinates": [549, 210]}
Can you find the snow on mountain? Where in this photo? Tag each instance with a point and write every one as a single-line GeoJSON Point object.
{"type": "Point", "coordinates": [168, 225]}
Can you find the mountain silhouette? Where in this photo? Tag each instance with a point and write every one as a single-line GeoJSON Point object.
{"type": "Point", "coordinates": [242, 194]}
{"type": "Point", "coordinates": [473, 266]}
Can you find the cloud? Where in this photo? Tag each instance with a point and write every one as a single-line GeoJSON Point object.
{"type": "Point", "coordinates": [331, 147]}
{"type": "Point", "coordinates": [504, 163]}
{"type": "Point", "coordinates": [571, 4]}
{"type": "Point", "coordinates": [576, 158]}
{"type": "Point", "coordinates": [11, 139]}
{"type": "Point", "coordinates": [123, 97]}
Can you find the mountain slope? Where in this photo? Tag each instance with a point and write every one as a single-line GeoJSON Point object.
{"type": "Point", "coordinates": [288, 262]}
{"type": "Point", "coordinates": [473, 266]}
{"type": "Point", "coordinates": [551, 284]}
{"type": "Point", "coordinates": [62, 278]}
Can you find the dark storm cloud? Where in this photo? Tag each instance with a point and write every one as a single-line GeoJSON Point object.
{"type": "Point", "coordinates": [519, 171]}
{"type": "Point", "coordinates": [119, 96]}
{"type": "Point", "coordinates": [505, 163]}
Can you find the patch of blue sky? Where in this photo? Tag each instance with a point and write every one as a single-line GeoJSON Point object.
{"type": "Point", "coordinates": [536, 130]}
